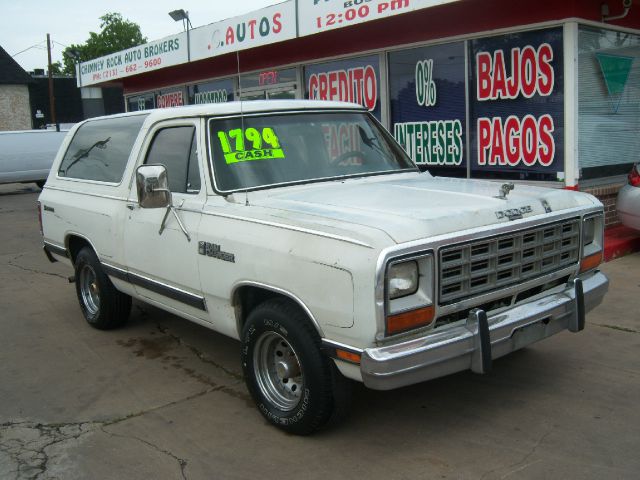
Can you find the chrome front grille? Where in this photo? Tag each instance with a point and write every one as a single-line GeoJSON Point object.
{"type": "Point", "coordinates": [489, 264]}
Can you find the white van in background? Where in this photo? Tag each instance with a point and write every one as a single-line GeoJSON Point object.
{"type": "Point", "coordinates": [26, 155]}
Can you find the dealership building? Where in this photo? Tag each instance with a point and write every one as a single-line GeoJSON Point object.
{"type": "Point", "coordinates": [541, 92]}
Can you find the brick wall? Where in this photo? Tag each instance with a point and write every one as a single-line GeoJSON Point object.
{"type": "Point", "coordinates": [15, 111]}
{"type": "Point", "coordinates": [607, 194]}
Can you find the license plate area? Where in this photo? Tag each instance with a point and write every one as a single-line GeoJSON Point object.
{"type": "Point", "coordinates": [529, 334]}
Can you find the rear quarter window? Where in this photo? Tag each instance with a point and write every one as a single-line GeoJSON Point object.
{"type": "Point", "coordinates": [100, 149]}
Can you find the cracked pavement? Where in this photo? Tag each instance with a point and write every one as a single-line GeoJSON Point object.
{"type": "Point", "coordinates": [164, 398]}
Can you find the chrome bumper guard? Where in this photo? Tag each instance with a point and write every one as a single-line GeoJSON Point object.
{"type": "Point", "coordinates": [482, 339]}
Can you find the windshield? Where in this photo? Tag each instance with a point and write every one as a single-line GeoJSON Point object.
{"type": "Point", "coordinates": [259, 151]}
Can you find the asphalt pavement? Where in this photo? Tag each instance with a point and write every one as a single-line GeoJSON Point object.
{"type": "Point", "coordinates": [163, 398]}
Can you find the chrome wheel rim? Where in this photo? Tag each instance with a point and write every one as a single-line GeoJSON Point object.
{"type": "Point", "coordinates": [89, 289]}
{"type": "Point", "coordinates": [278, 371]}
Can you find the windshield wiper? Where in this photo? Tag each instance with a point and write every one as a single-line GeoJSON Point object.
{"type": "Point", "coordinates": [101, 144]}
{"type": "Point", "coordinates": [369, 141]}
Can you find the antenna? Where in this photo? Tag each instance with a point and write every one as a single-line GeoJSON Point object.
{"type": "Point", "coordinates": [240, 89]}
{"type": "Point", "coordinates": [246, 194]}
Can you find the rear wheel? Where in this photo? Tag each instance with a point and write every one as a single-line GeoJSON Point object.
{"type": "Point", "coordinates": [102, 305]}
{"type": "Point", "coordinates": [292, 382]}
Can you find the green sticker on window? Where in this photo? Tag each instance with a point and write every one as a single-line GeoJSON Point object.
{"type": "Point", "coordinates": [261, 145]}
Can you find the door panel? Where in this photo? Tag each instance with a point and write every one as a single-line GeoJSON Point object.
{"type": "Point", "coordinates": [164, 267]}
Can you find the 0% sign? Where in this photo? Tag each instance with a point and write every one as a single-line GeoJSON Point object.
{"type": "Point", "coordinates": [425, 86]}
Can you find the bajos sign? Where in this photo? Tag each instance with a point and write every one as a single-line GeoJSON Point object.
{"type": "Point", "coordinates": [518, 102]}
{"type": "Point", "coordinates": [165, 52]}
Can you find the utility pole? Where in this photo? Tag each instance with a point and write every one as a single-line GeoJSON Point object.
{"type": "Point", "coordinates": [52, 98]}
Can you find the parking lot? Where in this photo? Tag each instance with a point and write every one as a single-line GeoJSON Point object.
{"type": "Point", "coordinates": [164, 398]}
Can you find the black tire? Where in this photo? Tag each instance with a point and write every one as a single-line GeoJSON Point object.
{"type": "Point", "coordinates": [40, 184]}
{"type": "Point", "coordinates": [102, 305]}
{"type": "Point", "coordinates": [278, 329]}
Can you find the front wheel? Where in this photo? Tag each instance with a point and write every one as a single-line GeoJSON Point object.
{"type": "Point", "coordinates": [292, 382]}
{"type": "Point", "coordinates": [102, 305]}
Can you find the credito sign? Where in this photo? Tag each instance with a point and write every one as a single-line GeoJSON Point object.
{"type": "Point", "coordinates": [357, 85]}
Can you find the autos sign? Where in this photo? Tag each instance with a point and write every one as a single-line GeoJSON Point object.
{"type": "Point", "coordinates": [162, 53]}
{"type": "Point", "coordinates": [317, 16]}
{"type": "Point", "coordinates": [517, 110]}
{"type": "Point", "coordinates": [262, 27]}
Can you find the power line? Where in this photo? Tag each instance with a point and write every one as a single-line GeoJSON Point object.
{"type": "Point", "coordinates": [37, 45]}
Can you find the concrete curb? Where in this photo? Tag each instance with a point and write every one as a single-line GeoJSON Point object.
{"type": "Point", "coordinates": [620, 241]}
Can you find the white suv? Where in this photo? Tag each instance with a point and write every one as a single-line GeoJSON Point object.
{"type": "Point", "coordinates": [302, 229]}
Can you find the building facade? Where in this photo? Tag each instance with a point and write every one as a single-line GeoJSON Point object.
{"type": "Point", "coordinates": [545, 93]}
{"type": "Point", "coordinates": [15, 112]}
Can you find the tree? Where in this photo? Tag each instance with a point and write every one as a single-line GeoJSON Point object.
{"type": "Point", "coordinates": [56, 68]}
{"type": "Point", "coordinates": [116, 33]}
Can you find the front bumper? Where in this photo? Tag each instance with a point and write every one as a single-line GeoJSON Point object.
{"type": "Point", "coordinates": [482, 339]}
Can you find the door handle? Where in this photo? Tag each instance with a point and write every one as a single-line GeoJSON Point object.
{"type": "Point", "coordinates": [131, 206]}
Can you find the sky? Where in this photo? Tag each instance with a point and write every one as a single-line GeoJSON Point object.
{"type": "Point", "coordinates": [25, 23]}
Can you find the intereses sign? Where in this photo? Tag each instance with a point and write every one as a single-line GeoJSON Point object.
{"type": "Point", "coordinates": [262, 27]}
{"type": "Point", "coordinates": [428, 114]}
{"type": "Point", "coordinates": [162, 53]}
{"type": "Point", "coordinates": [318, 16]}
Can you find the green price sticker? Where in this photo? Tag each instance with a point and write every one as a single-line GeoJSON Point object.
{"type": "Point", "coordinates": [250, 144]}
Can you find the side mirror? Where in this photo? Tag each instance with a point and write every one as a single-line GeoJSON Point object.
{"type": "Point", "coordinates": [153, 186]}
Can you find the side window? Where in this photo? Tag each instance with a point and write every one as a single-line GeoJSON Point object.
{"type": "Point", "coordinates": [175, 148]}
{"type": "Point", "coordinates": [100, 149]}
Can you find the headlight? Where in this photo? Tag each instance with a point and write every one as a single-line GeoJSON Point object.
{"type": "Point", "coordinates": [592, 241]}
{"type": "Point", "coordinates": [402, 279]}
{"type": "Point", "coordinates": [410, 287]}
{"type": "Point", "coordinates": [588, 231]}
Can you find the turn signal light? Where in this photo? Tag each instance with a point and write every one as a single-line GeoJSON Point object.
{"type": "Point", "coordinates": [634, 177]}
{"type": "Point", "coordinates": [410, 320]}
{"type": "Point", "coordinates": [590, 262]}
{"type": "Point", "coordinates": [348, 356]}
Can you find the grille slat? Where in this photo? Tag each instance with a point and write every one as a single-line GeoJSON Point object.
{"type": "Point", "coordinates": [485, 265]}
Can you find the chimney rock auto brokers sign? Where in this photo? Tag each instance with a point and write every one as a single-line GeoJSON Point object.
{"type": "Point", "coordinates": [162, 53]}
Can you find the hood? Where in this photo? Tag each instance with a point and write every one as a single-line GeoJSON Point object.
{"type": "Point", "coordinates": [415, 205]}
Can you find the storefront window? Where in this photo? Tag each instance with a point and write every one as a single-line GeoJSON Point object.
{"type": "Point", "coordinates": [427, 97]}
{"type": "Point", "coordinates": [517, 106]}
{"type": "Point", "coordinates": [268, 78]}
{"type": "Point", "coordinates": [218, 91]}
{"type": "Point", "coordinates": [170, 98]}
{"type": "Point", "coordinates": [608, 102]}
{"type": "Point", "coordinates": [354, 80]}
{"type": "Point", "coordinates": [141, 102]}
